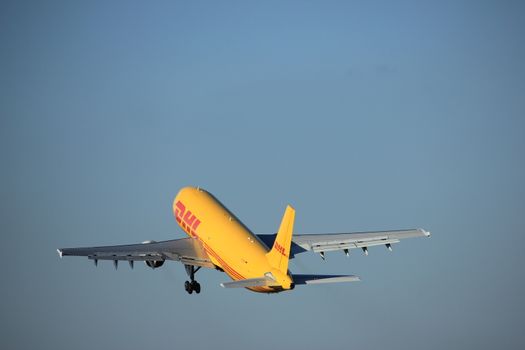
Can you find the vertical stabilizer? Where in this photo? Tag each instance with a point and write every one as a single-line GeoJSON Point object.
{"type": "Point", "coordinates": [280, 254]}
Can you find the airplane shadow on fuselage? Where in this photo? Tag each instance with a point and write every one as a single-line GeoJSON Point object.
{"type": "Point", "coordinates": [267, 239]}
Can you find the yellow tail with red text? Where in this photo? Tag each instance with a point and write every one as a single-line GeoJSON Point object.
{"type": "Point", "coordinates": [279, 255]}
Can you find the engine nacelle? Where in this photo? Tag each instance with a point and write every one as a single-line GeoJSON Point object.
{"type": "Point", "coordinates": [154, 263]}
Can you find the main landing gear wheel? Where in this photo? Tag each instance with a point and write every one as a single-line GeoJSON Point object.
{"type": "Point", "coordinates": [187, 287]}
{"type": "Point", "coordinates": [192, 286]}
{"type": "Point", "coordinates": [196, 287]}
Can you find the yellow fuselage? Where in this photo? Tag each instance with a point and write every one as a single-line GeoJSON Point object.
{"type": "Point", "coordinates": [230, 245]}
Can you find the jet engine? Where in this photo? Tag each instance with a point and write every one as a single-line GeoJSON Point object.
{"type": "Point", "coordinates": [153, 263]}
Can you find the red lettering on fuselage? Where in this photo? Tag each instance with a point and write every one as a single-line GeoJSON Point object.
{"type": "Point", "coordinates": [186, 219]}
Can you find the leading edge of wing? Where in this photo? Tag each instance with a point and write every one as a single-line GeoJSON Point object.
{"type": "Point", "coordinates": [145, 248]}
{"type": "Point", "coordinates": [360, 236]}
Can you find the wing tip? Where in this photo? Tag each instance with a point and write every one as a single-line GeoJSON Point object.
{"type": "Point", "coordinates": [425, 232]}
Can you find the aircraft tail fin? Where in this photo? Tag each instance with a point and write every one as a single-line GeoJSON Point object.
{"type": "Point", "coordinates": [279, 255]}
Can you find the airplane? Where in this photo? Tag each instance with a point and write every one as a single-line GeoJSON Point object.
{"type": "Point", "coordinates": [219, 240]}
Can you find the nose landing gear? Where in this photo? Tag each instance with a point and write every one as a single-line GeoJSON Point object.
{"type": "Point", "coordinates": [192, 286]}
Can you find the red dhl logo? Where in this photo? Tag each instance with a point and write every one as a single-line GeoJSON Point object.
{"type": "Point", "coordinates": [280, 248]}
{"type": "Point", "coordinates": [186, 219]}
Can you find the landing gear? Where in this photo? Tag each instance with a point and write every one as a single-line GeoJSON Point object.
{"type": "Point", "coordinates": [192, 286]}
{"type": "Point", "coordinates": [187, 287]}
{"type": "Point", "coordinates": [196, 286]}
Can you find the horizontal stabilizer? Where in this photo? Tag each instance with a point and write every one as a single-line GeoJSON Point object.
{"type": "Point", "coordinates": [318, 279]}
{"type": "Point", "coordinates": [251, 282]}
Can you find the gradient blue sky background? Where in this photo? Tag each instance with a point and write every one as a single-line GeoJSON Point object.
{"type": "Point", "coordinates": [364, 115]}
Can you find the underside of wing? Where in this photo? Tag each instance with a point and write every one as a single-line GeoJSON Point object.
{"type": "Point", "coordinates": [342, 241]}
{"type": "Point", "coordinates": [186, 250]}
{"type": "Point", "coordinates": [325, 242]}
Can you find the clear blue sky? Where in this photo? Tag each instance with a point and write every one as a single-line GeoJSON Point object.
{"type": "Point", "coordinates": [364, 115]}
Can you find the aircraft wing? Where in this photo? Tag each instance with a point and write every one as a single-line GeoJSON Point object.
{"type": "Point", "coordinates": [189, 251]}
{"type": "Point", "coordinates": [340, 241]}
{"type": "Point", "coordinates": [321, 243]}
